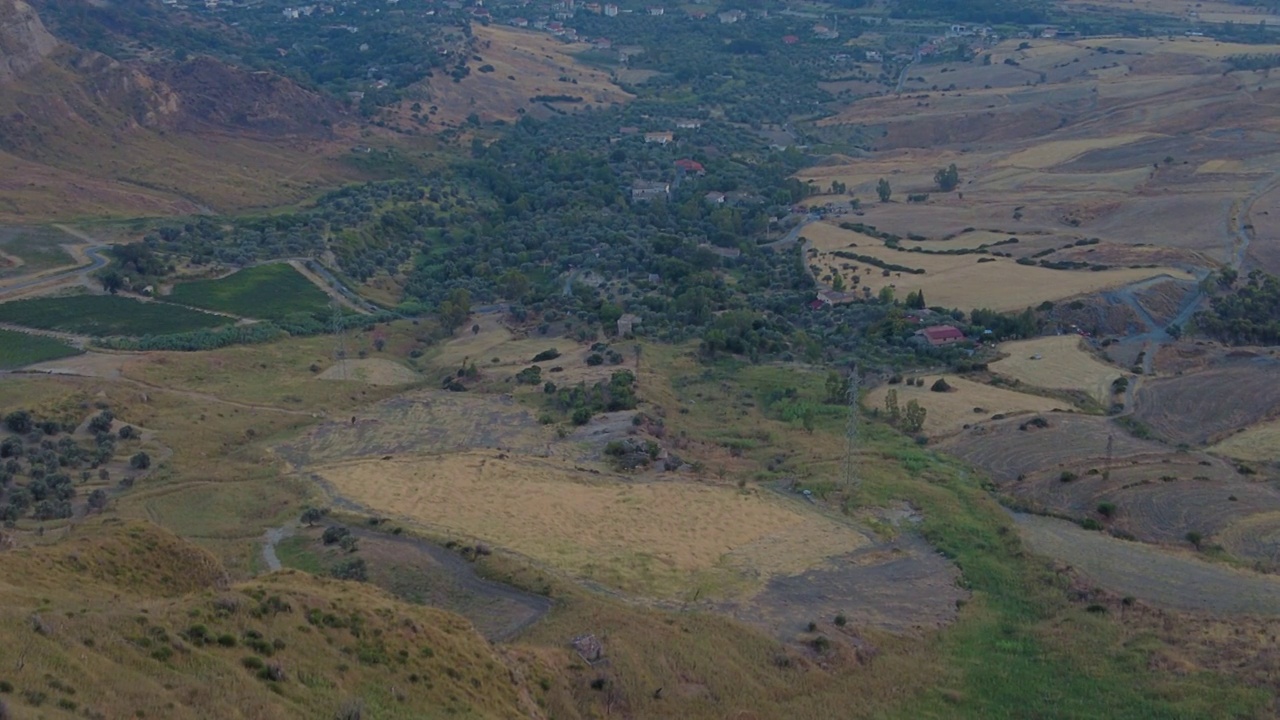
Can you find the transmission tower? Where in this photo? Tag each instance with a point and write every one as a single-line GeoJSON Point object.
{"type": "Point", "coordinates": [1106, 469]}
{"type": "Point", "coordinates": [849, 471]}
{"type": "Point", "coordinates": [340, 336]}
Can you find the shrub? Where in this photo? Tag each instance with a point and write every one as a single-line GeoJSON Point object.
{"type": "Point", "coordinates": [1091, 524]}
{"type": "Point", "coordinates": [141, 461]}
{"type": "Point", "coordinates": [1195, 538]}
{"type": "Point", "coordinates": [548, 354]}
{"type": "Point", "coordinates": [334, 534]}
{"type": "Point", "coordinates": [227, 640]}
{"type": "Point", "coordinates": [1067, 476]}
{"type": "Point", "coordinates": [841, 620]}
{"type": "Point", "coordinates": [253, 662]}
{"type": "Point", "coordinates": [1106, 509]}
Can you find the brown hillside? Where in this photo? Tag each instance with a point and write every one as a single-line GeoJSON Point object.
{"type": "Point", "coordinates": [84, 135]}
{"type": "Point", "coordinates": [126, 620]}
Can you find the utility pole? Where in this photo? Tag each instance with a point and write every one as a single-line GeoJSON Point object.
{"type": "Point", "coordinates": [339, 330]}
{"type": "Point", "coordinates": [849, 471]}
{"type": "Point", "coordinates": [1106, 469]}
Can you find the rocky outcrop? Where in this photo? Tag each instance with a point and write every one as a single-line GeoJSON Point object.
{"type": "Point", "coordinates": [24, 41]}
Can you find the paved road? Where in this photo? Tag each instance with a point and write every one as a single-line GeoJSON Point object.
{"type": "Point", "coordinates": [96, 261]}
{"type": "Point", "coordinates": [792, 236]}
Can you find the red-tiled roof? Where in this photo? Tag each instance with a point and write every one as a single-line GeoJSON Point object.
{"type": "Point", "coordinates": [941, 332]}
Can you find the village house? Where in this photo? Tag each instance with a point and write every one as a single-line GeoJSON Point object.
{"type": "Point", "coordinates": [688, 124]}
{"type": "Point", "coordinates": [656, 10]}
{"type": "Point", "coordinates": [715, 198]}
{"type": "Point", "coordinates": [790, 39]}
{"type": "Point", "coordinates": [939, 335]}
{"type": "Point", "coordinates": [644, 190]}
{"type": "Point", "coordinates": [691, 166]}
{"type": "Point", "coordinates": [662, 138]}
{"type": "Point", "coordinates": [610, 10]}
{"type": "Point", "coordinates": [627, 324]}
{"type": "Point", "coordinates": [731, 16]}
{"type": "Point", "coordinates": [602, 43]}
{"type": "Point", "coordinates": [520, 22]}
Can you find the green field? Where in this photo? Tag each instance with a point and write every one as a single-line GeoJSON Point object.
{"type": "Point", "coordinates": [105, 315]}
{"type": "Point", "coordinates": [19, 349]}
{"type": "Point", "coordinates": [268, 292]}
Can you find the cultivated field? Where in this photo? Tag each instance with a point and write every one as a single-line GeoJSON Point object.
{"type": "Point", "coordinates": [267, 292]}
{"type": "Point", "coordinates": [18, 349]}
{"type": "Point", "coordinates": [1170, 579]}
{"type": "Point", "coordinates": [106, 315]}
{"type": "Point", "coordinates": [969, 403]}
{"type": "Point", "coordinates": [1057, 362]}
{"type": "Point", "coordinates": [1005, 451]}
{"type": "Point", "coordinates": [961, 281]}
{"type": "Point", "coordinates": [1207, 406]}
{"type": "Point", "coordinates": [675, 539]}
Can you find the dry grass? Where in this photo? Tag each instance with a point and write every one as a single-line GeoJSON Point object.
{"type": "Point", "coordinates": [950, 412]}
{"type": "Point", "coordinates": [526, 64]}
{"type": "Point", "coordinates": [657, 539]}
{"type": "Point", "coordinates": [117, 603]}
{"type": "Point", "coordinates": [499, 354]}
{"type": "Point", "coordinates": [373, 371]}
{"type": "Point", "coordinates": [1064, 364]}
{"type": "Point", "coordinates": [1259, 443]}
{"type": "Point", "coordinates": [1057, 152]}
{"type": "Point", "coordinates": [960, 281]}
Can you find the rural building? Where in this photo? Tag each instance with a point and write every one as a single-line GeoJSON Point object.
{"type": "Point", "coordinates": [656, 10]}
{"type": "Point", "coordinates": [662, 138]}
{"type": "Point", "coordinates": [939, 335]}
{"type": "Point", "coordinates": [644, 190]}
{"type": "Point", "coordinates": [731, 16]}
{"type": "Point", "coordinates": [790, 39]}
{"type": "Point", "coordinates": [691, 166]}
{"type": "Point", "coordinates": [602, 43]}
{"type": "Point", "coordinates": [715, 198]}
{"type": "Point", "coordinates": [688, 124]}
{"type": "Point", "coordinates": [610, 10]}
{"type": "Point", "coordinates": [831, 297]}
{"type": "Point", "coordinates": [627, 324]}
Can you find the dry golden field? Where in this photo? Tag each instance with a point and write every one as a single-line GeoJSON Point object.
{"type": "Point", "coordinates": [660, 539]}
{"type": "Point", "coordinates": [1062, 364]}
{"type": "Point", "coordinates": [1259, 443]}
{"type": "Point", "coordinates": [950, 412]}
{"type": "Point", "coordinates": [961, 281]}
{"type": "Point", "coordinates": [1058, 152]}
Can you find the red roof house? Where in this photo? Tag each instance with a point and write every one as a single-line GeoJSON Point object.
{"type": "Point", "coordinates": [940, 335]}
{"type": "Point", "coordinates": [790, 39]}
{"type": "Point", "coordinates": [690, 166]}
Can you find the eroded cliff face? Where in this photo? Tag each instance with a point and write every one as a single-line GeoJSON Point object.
{"type": "Point", "coordinates": [24, 41]}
